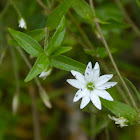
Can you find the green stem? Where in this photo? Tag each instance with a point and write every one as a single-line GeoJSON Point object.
{"type": "Point", "coordinates": [16, 8]}
{"type": "Point", "coordinates": [43, 6]}
{"type": "Point", "coordinates": [112, 59]}
{"type": "Point", "coordinates": [46, 38]}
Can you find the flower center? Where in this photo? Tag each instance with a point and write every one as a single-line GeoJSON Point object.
{"type": "Point", "coordinates": [90, 86]}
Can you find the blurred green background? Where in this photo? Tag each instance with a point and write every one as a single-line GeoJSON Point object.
{"type": "Point", "coordinates": [65, 121]}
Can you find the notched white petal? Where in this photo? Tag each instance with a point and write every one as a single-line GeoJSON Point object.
{"type": "Point", "coordinates": [96, 66]}
{"type": "Point", "coordinates": [89, 66]}
{"type": "Point", "coordinates": [106, 85]}
{"type": "Point", "coordinates": [85, 101]}
{"type": "Point", "coordinates": [89, 72]}
{"type": "Point", "coordinates": [103, 79]}
{"type": "Point", "coordinates": [79, 94]}
{"type": "Point", "coordinates": [95, 100]}
{"type": "Point", "coordinates": [76, 83]}
{"type": "Point", "coordinates": [78, 76]}
{"type": "Point", "coordinates": [103, 94]}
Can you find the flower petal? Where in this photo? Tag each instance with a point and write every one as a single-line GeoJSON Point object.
{"type": "Point", "coordinates": [85, 100]}
{"type": "Point", "coordinates": [96, 66]}
{"type": "Point", "coordinates": [78, 76]}
{"type": "Point", "coordinates": [79, 94]}
{"type": "Point", "coordinates": [103, 79]}
{"type": "Point", "coordinates": [96, 74]}
{"type": "Point", "coordinates": [88, 72]}
{"type": "Point", "coordinates": [75, 83]}
{"type": "Point", "coordinates": [103, 94]}
{"type": "Point", "coordinates": [95, 100]}
{"type": "Point", "coordinates": [106, 85]}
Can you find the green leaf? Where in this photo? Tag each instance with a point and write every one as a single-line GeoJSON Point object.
{"type": "Point", "coordinates": [83, 9]}
{"type": "Point", "coordinates": [38, 35]}
{"type": "Point", "coordinates": [109, 10]}
{"type": "Point", "coordinates": [26, 42]}
{"type": "Point", "coordinates": [40, 65]}
{"type": "Point", "coordinates": [66, 63]}
{"type": "Point", "coordinates": [100, 52]}
{"type": "Point", "coordinates": [56, 16]}
{"type": "Point", "coordinates": [111, 24]}
{"type": "Point", "coordinates": [133, 87]}
{"type": "Point", "coordinates": [57, 38]}
{"type": "Point", "coordinates": [61, 50]}
{"type": "Point", "coordinates": [120, 109]}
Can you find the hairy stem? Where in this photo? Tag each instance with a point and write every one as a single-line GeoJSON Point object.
{"type": "Point", "coordinates": [112, 60]}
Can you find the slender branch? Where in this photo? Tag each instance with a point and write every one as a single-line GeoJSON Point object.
{"type": "Point", "coordinates": [36, 125]}
{"type": "Point", "coordinates": [112, 59]}
{"type": "Point", "coordinates": [43, 6]}
{"type": "Point", "coordinates": [15, 7]}
{"type": "Point", "coordinates": [127, 18]}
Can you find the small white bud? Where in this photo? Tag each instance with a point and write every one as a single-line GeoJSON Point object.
{"type": "Point", "coordinates": [45, 98]}
{"type": "Point", "coordinates": [45, 73]}
{"type": "Point", "coordinates": [121, 121]}
{"type": "Point", "coordinates": [15, 103]}
{"type": "Point", "coordinates": [22, 23]}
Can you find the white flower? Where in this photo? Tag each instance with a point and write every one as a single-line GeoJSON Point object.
{"type": "Point", "coordinates": [121, 121]}
{"type": "Point", "coordinates": [91, 86]}
{"type": "Point", "coordinates": [22, 23]}
{"type": "Point", "coordinates": [45, 73]}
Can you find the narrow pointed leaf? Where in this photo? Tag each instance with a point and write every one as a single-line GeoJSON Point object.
{"type": "Point", "coordinates": [57, 38]}
{"type": "Point", "coordinates": [56, 16]}
{"type": "Point", "coordinates": [120, 109]}
{"type": "Point", "coordinates": [40, 65]}
{"type": "Point", "coordinates": [83, 9]}
{"type": "Point", "coordinates": [66, 63]}
{"type": "Point", "coordinates": [61, 50]}
{"type": "Point", "coordinates": [38, 35]}
{"type": "Point", "coordinates": [133, 87]}
{"type": "Point", "coordinates": [26, 42]}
